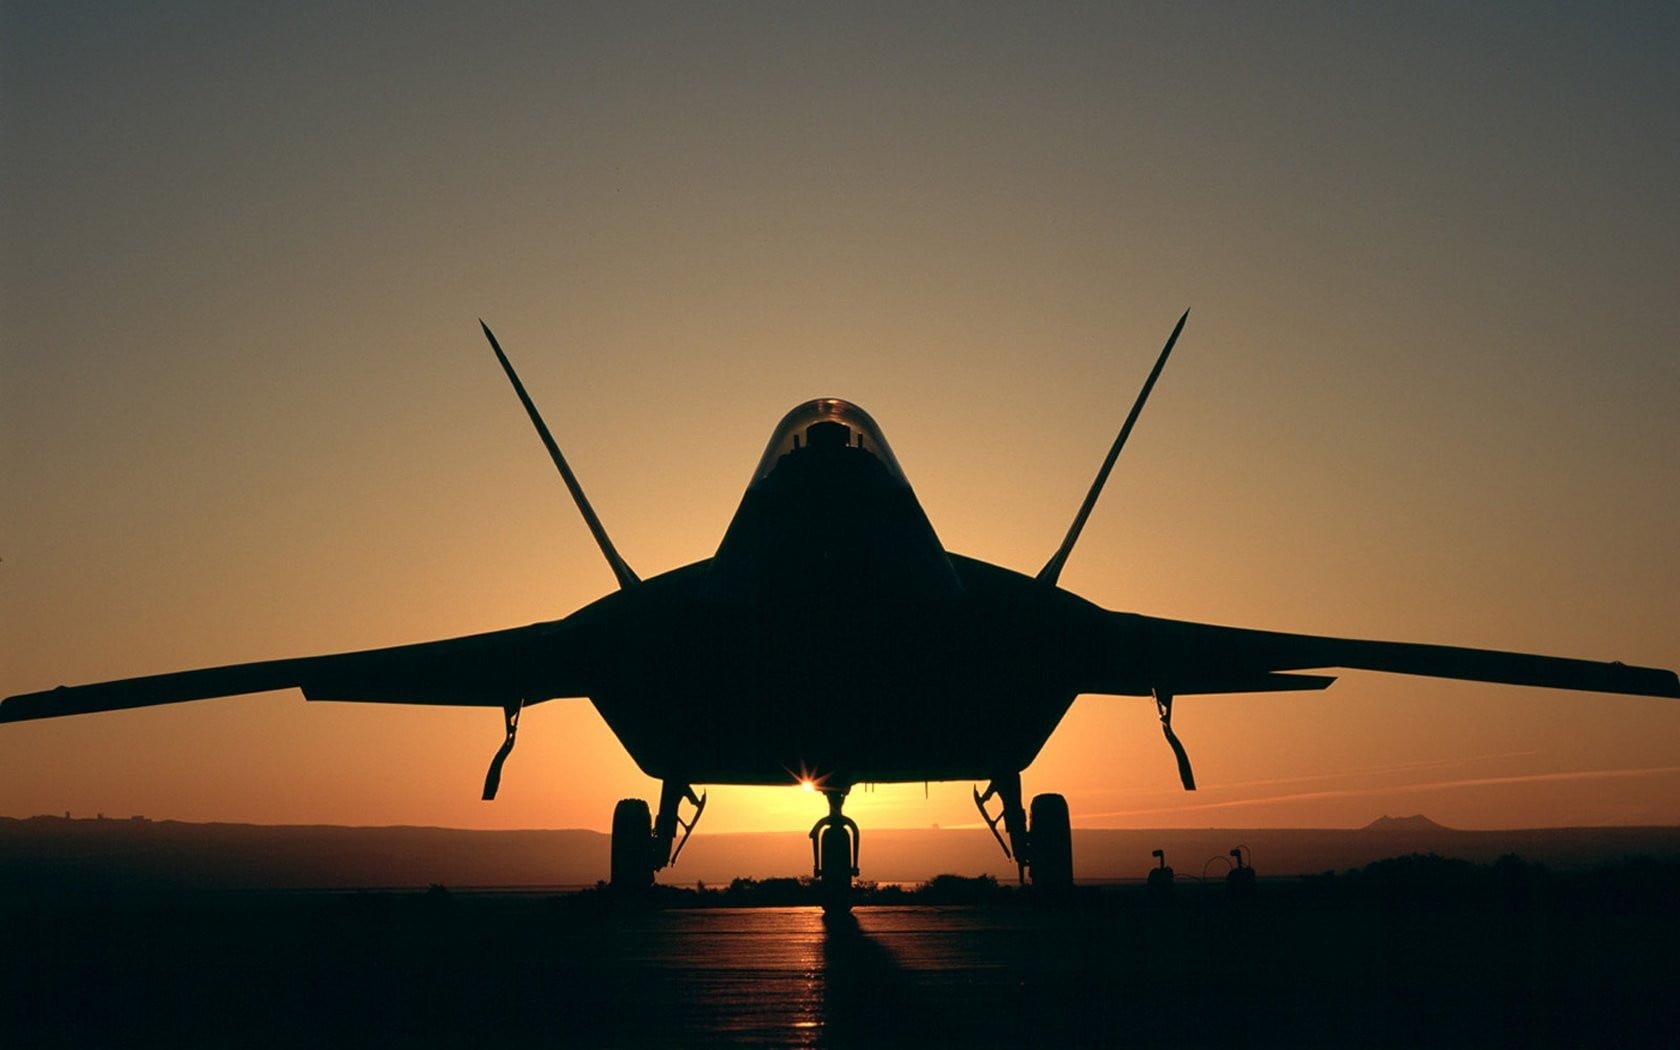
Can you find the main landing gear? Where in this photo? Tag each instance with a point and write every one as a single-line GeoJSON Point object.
{"type": "Point", "coordinates": [641, 844]}
{"type": "Point", "coordinates": [1043, 849]}
{"type": "Point", "coordinates": [1040, 841]}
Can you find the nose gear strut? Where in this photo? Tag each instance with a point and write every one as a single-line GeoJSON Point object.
{"type": "Point", "coordinates": [834, 852]}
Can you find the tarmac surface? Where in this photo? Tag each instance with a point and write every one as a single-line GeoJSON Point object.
{"type": "Point", "coordinates": [1296, 967]}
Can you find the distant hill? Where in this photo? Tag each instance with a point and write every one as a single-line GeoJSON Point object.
{"type": "Point", "coordinates": [47, 853]}
{"type": "Point", "coordinates": [1417, 822]}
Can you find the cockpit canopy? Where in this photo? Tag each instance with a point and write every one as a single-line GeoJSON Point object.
{"type": "Point", "coordinates": [827, 422]}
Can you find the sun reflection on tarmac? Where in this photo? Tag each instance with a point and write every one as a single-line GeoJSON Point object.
{"type": "Point", "coordinates": [774, 976]}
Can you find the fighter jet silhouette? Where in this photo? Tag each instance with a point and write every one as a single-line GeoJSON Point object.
{"type": "Point", "coordinates": [833, 641]}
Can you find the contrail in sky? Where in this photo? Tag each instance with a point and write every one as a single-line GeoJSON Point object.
{"type": "Point", "coordinates": [1411, 789]}
{"type": "Point", "coordinates": [1373, 771]}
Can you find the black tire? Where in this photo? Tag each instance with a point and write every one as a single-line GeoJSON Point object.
{"type": "Point", "coordinates": [632, 845]}
{"type": "Point", "coordinates": [1052, 843]}
{"type": "Point", "coordinates": [836, 872]}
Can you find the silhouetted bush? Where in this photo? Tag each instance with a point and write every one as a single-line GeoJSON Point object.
{"type": "Point", "coordinates": [957, 889]}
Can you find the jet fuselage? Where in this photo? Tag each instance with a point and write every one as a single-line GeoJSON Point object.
{"type": "Point", "coordinates": [832, 637]}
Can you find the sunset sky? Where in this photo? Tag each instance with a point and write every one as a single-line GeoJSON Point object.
{"type": "Point", "coordinates": [1429, 389]}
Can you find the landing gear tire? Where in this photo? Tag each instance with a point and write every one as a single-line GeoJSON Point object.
{"type": "Point", "coordinates": [1052, 844]}
{"type": "Point", "coordinates": [632, 845]}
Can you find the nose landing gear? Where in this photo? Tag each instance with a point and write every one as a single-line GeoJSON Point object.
{"type": "Point", "coordinates": [834, 852]}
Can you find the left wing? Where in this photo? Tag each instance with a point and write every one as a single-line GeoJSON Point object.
{"type": "Point", "coordinates": [508, 668]}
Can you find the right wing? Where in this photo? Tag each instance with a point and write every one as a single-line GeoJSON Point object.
{"type": "Point", "coordinates": [505, 668]}
{"type": "Point", "coordinates": [1152, 654]}
{"type": "Point", "coordinates": [1144, 655]}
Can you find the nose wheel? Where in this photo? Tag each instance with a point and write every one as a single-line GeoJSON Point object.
{"type": "Point", "coordinates": [834, 853]}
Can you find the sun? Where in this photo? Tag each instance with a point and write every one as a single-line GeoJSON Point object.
{"type": "Point", "coordinates": [808, 779]}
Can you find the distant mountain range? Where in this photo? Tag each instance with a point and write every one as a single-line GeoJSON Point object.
{"type": "Point", "coordinates": [44, 853]}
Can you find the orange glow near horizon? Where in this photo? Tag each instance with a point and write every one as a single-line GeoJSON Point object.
{"type": "Point", "coordinates": [1426, 393]}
